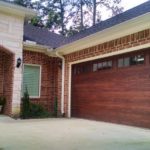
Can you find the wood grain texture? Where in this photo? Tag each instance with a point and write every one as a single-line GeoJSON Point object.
{"type": "Point", "coordinates": [118, 95]}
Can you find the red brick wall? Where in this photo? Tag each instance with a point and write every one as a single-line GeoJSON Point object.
{"type": "Point", "coordinates": [49, 77]}
{"type": "Point", "coordinates": [59, 81]}
{"type": "Point", "coordinates": [132, 40]}
{"type": "Point", "coordinates": [1, 73]}
{"type": "Point", "coordinates": [6, 79]}
{"type": "Point", "coordinates": [125, 42]}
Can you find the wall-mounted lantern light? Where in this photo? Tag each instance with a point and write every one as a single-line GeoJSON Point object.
{"type": "Point", "coordinates": [18, 62]}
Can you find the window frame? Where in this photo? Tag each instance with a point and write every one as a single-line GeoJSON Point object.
{"type": "Point", "coordinates": [102, 61]}
{"type": "Point", "coordinates": [130, 55]}
{"type": "Point", "coordinates": [40, 79]}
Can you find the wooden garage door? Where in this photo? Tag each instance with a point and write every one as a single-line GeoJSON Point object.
{"type": "Point", "coordinates": [113, 90]}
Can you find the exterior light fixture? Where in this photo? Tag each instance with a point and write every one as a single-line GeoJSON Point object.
{"type": "Point", "coordinates": [18, 62]}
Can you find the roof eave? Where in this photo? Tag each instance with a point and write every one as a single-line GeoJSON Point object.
{"type": "Point", "coordinates": [17, 10]}
{"type": "Point", "coordinates": [125, 28]}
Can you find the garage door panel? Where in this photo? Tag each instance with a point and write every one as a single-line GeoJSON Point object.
{"type": "Point", "coordinates": [122, 118]}
{"type": "Point", "coordinates": [114, 108]}
{"type": "Point", "coordinates": [138, 110]}
{"type": "Point", "coordinates": [94, 76]}
{"type": "Point", "coordinates": [110, 85]}
{"type": "Point", "coordinates": [114, 97]}
{"type": "Point", "coordinates": [114, 117]}
{"type": "Point", "coordinates": [142, 107]}
{"type": "Point", "coordinates": [126, 106]}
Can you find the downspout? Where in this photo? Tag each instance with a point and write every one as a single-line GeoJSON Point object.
{"type": "Point", "coordinates": [63, 82]}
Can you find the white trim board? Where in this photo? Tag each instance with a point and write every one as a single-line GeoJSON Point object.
{"type": "Point", "coordinates": [132, 49]}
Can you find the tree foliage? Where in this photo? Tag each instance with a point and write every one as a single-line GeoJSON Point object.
{"type": "Point", "coordinates": [70, 16]}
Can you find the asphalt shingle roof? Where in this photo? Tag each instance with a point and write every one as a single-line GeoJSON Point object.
{"type": "Point", "coordinates": [43, 36]}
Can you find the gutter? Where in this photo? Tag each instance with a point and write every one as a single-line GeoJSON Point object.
{"type": "Point", "coordinates": [63, 81]}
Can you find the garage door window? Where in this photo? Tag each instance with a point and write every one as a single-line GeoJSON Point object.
{"type": "Point", "coordinates": [135, 60]}
{"type": "Point", "coordinates": [95, 67]}
{"type": "Point", "coordinates": [131, 61]}
{"type": "Point", "coordinates": [102, 65]}
{"type": "Point", "coordinates": [81, 69]}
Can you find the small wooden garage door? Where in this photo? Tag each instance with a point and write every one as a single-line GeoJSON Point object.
{"type": "Point", "coordinates": [114, 90]}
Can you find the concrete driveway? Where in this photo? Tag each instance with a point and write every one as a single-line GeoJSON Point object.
{"type": "Point", "coordinates": [70, 134]}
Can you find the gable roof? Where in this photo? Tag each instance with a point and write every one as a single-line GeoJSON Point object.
{"type": "Point", "coordinates": [43, 36]}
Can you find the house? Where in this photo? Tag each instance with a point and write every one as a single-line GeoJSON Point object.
{"type": "Point", "coordinates": [101, 73]}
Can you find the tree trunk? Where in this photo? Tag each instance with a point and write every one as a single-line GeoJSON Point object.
{"type": "Point", "coordinates": [94, 12]}
{"type": "Point", "coordinates": [62, 17]}
{"type": "Point", "coordinates": [81, 7]}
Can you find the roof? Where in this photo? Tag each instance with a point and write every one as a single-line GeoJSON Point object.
{"type": "Point", "coordinates": [43, 36]}
{"type": "Point", "coordinates": [9, 7]}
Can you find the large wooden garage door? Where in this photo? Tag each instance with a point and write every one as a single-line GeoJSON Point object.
{"type": "Point", "coordinates": [113, 90]}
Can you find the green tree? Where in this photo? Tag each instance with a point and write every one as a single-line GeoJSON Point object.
{"type": "Point", "coordinates": [25, 3]}
{"type": "Point", "coordinates": [69, 16]}
{"type": "Point", "coordinates": [110, 5]}
{"type": "Point", "coordinates": [54, 20]}
{"type": "Point", "coordinates": [58, 15]}
{"type": "Point", "coordinates": [89, 12]}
